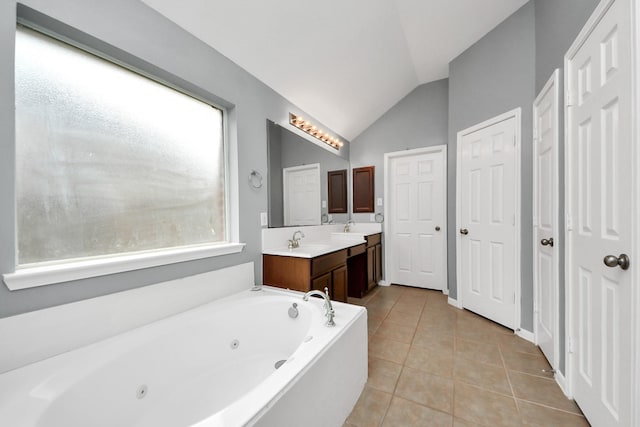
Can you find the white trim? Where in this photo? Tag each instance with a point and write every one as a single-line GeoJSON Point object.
{"type": "Point", "coordinates": [285, 172]}
{"type": "Point", "coordinates": [562, 382]}
{"type": "Point", "coordinates": [527, 335]}
{"type": "Point", "coordinates": [516, 114]}
{"type": "Point", "coordinates": [31, 277]}
{"type": "Point", "coordinates": [445, 291]}
{"type": "Point", "coordinates": [387, 165]}
{"type": "Point", "coordinates": [552, 84]}
{"type": "Point", "coordinates": [454, 303]}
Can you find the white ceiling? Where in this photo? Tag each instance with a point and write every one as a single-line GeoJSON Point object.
{"type": "Point", "coordinates": [345, 62]}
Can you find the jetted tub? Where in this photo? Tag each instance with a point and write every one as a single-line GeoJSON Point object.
{"type": "Point", "coordinates": [241, 360]}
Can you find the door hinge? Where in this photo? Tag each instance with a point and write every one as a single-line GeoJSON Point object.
{"type": "Point", "coordinates": [570, 345]}
{"type": "Point", "coordinates": [514, 140]}
{"type": "Point", "coordinates": [569, 99]}
{"type": "Point", "coordinates": [513, 220]}
{"type": "Point", "coordinates": [569, 223]}
{"type": "Point", "coordinates": [514, 297]}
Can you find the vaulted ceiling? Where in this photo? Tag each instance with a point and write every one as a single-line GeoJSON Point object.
{"type": "Point", "coordinates": [346, 62]}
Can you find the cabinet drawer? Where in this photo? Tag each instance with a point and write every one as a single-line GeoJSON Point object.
{"type": "Point", "coordinates": [326, 263]}
{"type": "Point", "coordinates": [373, 240]}
{"type": "Point", "coordinates": [357, 250]}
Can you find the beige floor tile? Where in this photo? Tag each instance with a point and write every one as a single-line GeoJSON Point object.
{"type": "Point", "coordinates": [396, 331]}
{"type": "Point", "coordinates": [403, 318]}
{"type": "Point", "coordinates": [433, 340]}
{"type": "Point", "coordinates": [490, 377]}
{"type": "Point", "coordinates": [515, 343]}
{"type": "Point", "coordinates": [403, 413]}
{"type": "Point", "coordinates": [381, 303]}
{"type": "Point", "coordinates": [370, 408]}
{"type": "Point", "coordinates": [428, 390]}
{"type": "Point", "coordinates": [383, 348]}
{"type": "Point", "coordinates": [541, 416]}
{"type": "Point", "coordinates": [378, 312]}
{"type": "Point", "coordinates": [383, 375]}
{"type": "Point", "coordinates": [540, 390]}
{"type": "Point", "coordinates": [484, 407]}
{"type": "Point", "coordinates": [478, 335]}
{"type": "Point", "coordinates": [373, 323]}
{"type": "Point", "coordinates": [408, 307]}
{"type": "Point", "coordinates": [438, 324]}
{"type": "Point", "coordinates": [529, 363]}
{"type": "Point", "coordinates": [430, 361]}
{"type": "Point", "coordinates": [459, 422]}
{"type": "Point", "coordinates": [479, 351]}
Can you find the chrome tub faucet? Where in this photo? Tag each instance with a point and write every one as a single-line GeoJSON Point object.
{"type": "Point", "coordinates": [330, 314]}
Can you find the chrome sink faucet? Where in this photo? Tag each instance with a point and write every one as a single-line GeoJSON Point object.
{"type": "Point", "coordinates": [294, 242]}
{"type": "Point", "coordinates": [347, 226]}
{"type": "Point", "coordinates": [327, 304]}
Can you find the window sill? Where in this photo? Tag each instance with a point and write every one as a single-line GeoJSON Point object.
{"type": "Point", "coordinates": [31, 277]}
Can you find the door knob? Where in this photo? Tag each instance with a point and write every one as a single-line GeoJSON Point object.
{"type": "Point", "coordinates": [437, 228]}
{"type": "Point", "coordinates": [464, 231]}
{"type": "Point", "coordinates": [547, 242]}
{"type": "Point", "coordinates": [614, 261]}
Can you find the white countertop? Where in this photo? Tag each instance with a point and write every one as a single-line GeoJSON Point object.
{"type": "Point", "coordinates": [315, 248]}
{"type": "Point", "coordinates": [319, 240]}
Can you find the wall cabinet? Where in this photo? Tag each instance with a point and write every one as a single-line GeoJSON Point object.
{"type": "Point", "coordinates": [305, 274]}
{"type": "Point", "coordinates": [363, 189]}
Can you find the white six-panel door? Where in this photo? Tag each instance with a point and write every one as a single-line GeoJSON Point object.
{"type": "Point", "coordinates": [487, 220]}
{"type": "Point", "coordinates": [416, 234]}
{"type": "Point", "coordinates": [301, 192]}
{"type": "Point", "coordinates": [600, 193]}
{"type": "Point", "coordinates": [545, 218]}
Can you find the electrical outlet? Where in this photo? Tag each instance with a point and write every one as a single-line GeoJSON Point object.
{"type": "Point", "coordinates": [264, 219]}
{"type": "Point", "coordinates": [372, 217]}
{"type": "Point", "coordinates": [379, 201]}
{"type": "Point", "coordinates": [330, 217]}
{"type": "Point", "coordinates": [324, 203]}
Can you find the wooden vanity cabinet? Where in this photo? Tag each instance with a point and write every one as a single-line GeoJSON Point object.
{"type": "Point", "coordinates": [374, 260]}
{"type": "Point", "coordinates": [305, 274]}
{"type": "Point", "coordinates": [365, 268]}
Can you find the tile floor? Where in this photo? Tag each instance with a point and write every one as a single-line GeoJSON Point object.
{"type": "Point", "coordinates": [431, 364]}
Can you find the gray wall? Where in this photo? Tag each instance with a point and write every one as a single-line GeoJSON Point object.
{"type": "Point", "coordinates": [493, 76]}
{"type": "Point", "coordinates": [418, 120]}
{"type": "Point", "coordinates": [134, 33]}
{"type": "Point", "coordinates": [557, 25]}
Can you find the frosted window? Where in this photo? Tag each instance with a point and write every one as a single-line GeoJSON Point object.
{"type": "Point", "coordinates": [110, 162]}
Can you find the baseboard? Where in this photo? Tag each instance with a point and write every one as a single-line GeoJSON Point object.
{"type": "Point", "coordinates": [384, 283]}
{"type": "Point", "coordinates": [562, 382]}
{"type": "Point", "coordinates": [454, 302]}
{"type": "Point", "coordinates": [524, 334]}
{"type": "Point", "coordinates": [445, 291]}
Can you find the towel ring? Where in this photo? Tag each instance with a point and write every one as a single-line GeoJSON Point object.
{"type": "Point", "coordinates": [255, 179]}
{"type": "Point", "coordinates": [379, 217]}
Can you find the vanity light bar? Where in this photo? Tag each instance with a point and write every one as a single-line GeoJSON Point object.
{"type": "Point", "coordinates": [312, 130]}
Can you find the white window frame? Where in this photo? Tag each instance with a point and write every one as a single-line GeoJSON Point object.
{"type": "Point", "coordinates": [34, 275]}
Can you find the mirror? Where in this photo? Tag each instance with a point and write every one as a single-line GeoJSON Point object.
{"type": "Point", "coordinates": [289, 151]}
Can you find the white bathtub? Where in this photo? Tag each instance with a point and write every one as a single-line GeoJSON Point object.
{"type": "Point", "coordinates": [210, 366]}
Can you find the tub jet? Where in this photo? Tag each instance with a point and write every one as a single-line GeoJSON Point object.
{"type": "Point", "coordinates": [279, 363]}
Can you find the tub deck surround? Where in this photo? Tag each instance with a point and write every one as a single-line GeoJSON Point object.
{"type": "Point", "coordinates": [214, 365]}
{"type": "Point", "coordinates": [34, 336]}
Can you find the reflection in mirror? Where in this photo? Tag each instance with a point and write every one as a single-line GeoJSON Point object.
{"type": "Point", "coordinates": [337, 183]}
{"type": "Point", "coordinates": [287, 150]}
